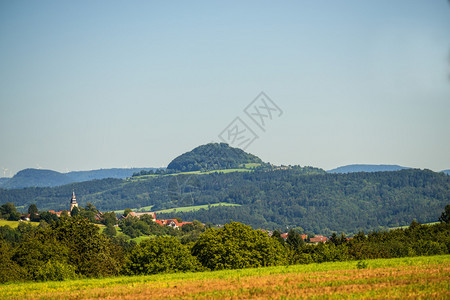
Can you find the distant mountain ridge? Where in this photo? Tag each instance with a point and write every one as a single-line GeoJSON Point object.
{"type": "Point", "coordinates": [446, 172]}
{"type": "Point", "coordinates": [367, 168]}
{"type": "Point", "coordinates": [49, 178]}
{"type": "Point", "coordinates": [120, 173]}
{"type": "Point", "coordinates": [3, 180]}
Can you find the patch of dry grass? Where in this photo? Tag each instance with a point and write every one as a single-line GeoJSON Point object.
{"type": "Point", "coordinates": [411, 278]}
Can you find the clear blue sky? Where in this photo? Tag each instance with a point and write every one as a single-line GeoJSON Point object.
{"type": "Point", "coordinates": [100, 84]}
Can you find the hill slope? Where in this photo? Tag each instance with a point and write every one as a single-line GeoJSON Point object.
{"type": "Point", "coordinates": [305, 197]}
{"type": "Point", "coordinates": [36, 177]}
{"type": "Point", "coordinates": [367, 168]}
{"type": "Point", "coordinates": [50, 178]}
{"type": "Point", "coordinates": [3, 180]}
{"type": "Point", "coordinates": [79, 176]}
{"type": "Point", "coordinates": [446, 172]}
{"type": "Point", "coordinates": [213, 156]}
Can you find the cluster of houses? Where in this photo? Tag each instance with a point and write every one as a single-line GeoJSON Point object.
{"type": "Point", "coordinates": [164, 222]}
{"type": "Point", "coordinates": [314, 240]}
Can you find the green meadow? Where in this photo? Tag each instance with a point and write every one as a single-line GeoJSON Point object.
{"type": "Point", "coordinates": [180, 209]}
{"type": "Point", "coordinates": [194, 208]}
{"type": "Point", "coordinates": [14, 224]}
{"type": "Point", "coordinates": [416, 277]}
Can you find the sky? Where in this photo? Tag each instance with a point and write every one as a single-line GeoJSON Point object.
{"type": "Point", "coordinates": [101, 84]}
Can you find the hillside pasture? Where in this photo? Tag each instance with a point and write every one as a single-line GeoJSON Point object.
{"type": "Point", "coordinates": [418, 277]}
{"type": "Point", "coordinates": [194, 208]}
{"type": "Point", "coordinates": [245, 168]}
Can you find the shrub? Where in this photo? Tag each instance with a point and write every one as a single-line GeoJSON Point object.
{"type": "Point", "coordinates": [361, 264]}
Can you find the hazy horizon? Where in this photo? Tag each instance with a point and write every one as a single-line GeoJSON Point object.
{"type": "Point", "coordinates": [110, 84]}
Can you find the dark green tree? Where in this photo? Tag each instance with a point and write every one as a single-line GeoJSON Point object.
{"type": "Point", "coordinates": [9, 269]}
{"type": "Point", "coordinates": [445, 216]}
{"type": "Point", "coordinates": [160, 255]}
{"type": "Point", "coordinates": [277, 236]}
{"type": "Point", "coordinates": [34, 213]}
{"type": "Point", "coordinates": [44, 256]}
{"type": "Point", "coordinates": [32, 209]}
{"type": "Point", "coordinates": [188, 227]}
{"type": "Point", "coordinates": [294, 240]}
{"type": "Point", "coordinates": [109, 218]}
{"type": "Point", "coordinates": [75, 211]}
{"type": "Point", "coordinates": [91, 252]}
{"type": "Point", "coordinates": [110, 230]}
{"type": "Point", "coordinates": [48, 217]}
{"type": "Point", "coordinates": [9, 212]}
{"type": "Point", "coordinates": [237, 246]}
{"type": "Point", "coordinates": [12, 236]}
{"type": "Point", "coordinates": [126, 211]}
{"type": "Point", "coordinates": [91, 207]}
{"type": "Point", "coordinates": [147, 219]}
{"type": "Point", "coordinates": [338, 240]}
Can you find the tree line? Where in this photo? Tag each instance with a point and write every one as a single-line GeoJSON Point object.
{"type": "Point", "coordinates": [72, 247]}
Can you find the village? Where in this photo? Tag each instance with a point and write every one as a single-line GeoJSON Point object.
{"type": "Point", "coordinates": [96, 216]}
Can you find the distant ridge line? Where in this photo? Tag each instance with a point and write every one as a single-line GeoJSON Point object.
{"type": "Point", "coordinates": [367, 168]}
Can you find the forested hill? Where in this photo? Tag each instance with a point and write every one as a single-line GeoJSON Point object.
{"type": "Point", "coordinates": [36, 177]}
{"type": "Point", "coordinates": [213, 156]}
{"type": "Point", "coordinates": [306, 197]}
{"type": "Point", "coordinates": [50, 178]}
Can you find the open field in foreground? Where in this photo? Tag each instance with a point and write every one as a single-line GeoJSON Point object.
{"type": "Point", "coordinates": [419, 277]}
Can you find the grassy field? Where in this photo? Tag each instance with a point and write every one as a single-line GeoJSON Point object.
{"type": "Point", "coordinates": [250, 165]}
{"type": "Point", "coordinates": [406, 226]}
{"type": "Point", "coordinates": [245, 168]}
{"type": "Point", "coordinates": [419, 277]}
{"type": "Point", "coordinates": [179, 209]}
{"type": "Point", "coordinates": [194, 208]}
{"type": "Point", "coordinates": [14, 224]}
{"type": "Point", "coordinates": [142, 209]}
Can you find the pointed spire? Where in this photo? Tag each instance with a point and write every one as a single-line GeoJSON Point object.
{"type": "Point", "coordinates": [73, 201]}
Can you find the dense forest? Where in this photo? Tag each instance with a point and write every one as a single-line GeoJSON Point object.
{"type": "Point", "coordinates": [72, 247]}
{"type": "Point", "coordinates": [269, 198]}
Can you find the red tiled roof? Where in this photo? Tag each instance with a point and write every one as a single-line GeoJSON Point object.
{"type": "Point", "coordinates": [318, 239]}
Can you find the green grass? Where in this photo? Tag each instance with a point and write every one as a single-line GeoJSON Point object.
{"type": "Point", "coordinates": [245, 168]}
{"type": "Point", "coordinates": [180, 209]}
{"type": "Point", "coordinates": [407, 226]}
{"type": "Point", "coordinates": [144, 209]}
{"type": "Point", "coordinates": [417, 277]}
{"type": "Point", "coordinates": [14, 224]}
{"type": "Point", "coordinates": [194, 208]}
{"type": "Point", "coordinates": [227, 171]}
{"type": "Point", "coordinates": [250, 165]}
{"type": "Point", "coordinates": [141, 209]}
{"type": "Point", "coordinates": [143, 238]}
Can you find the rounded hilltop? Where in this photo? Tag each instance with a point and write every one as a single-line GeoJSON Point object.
{"type": "Point", "coordinates": [213, 156]}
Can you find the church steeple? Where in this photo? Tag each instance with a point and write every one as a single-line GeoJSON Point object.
{"type": "Point", "coordinates": [73, 201]}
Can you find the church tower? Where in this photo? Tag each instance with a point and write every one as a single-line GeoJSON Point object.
{"type": "Point", "coordinates": [73, 201]}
